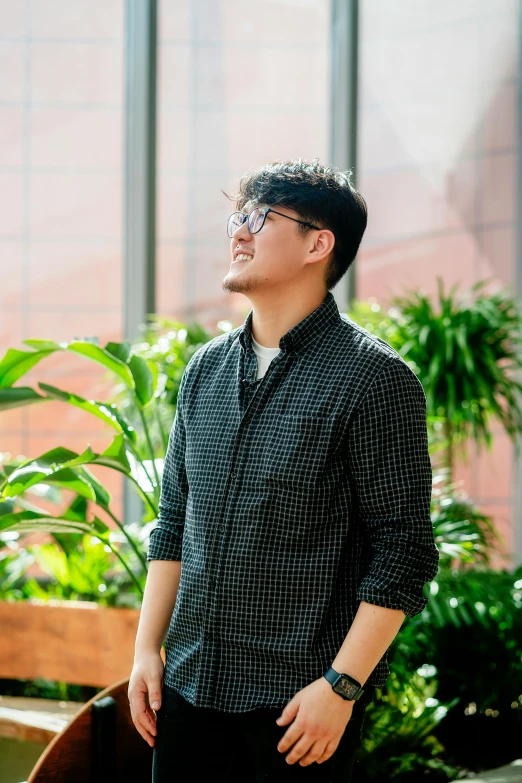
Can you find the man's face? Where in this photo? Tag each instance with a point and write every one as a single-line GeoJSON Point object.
{"type": "Point", "coordinates": [270, 258]}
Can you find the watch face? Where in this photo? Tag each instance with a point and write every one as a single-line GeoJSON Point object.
{"type": "Point", "coordinates": [345, 688]}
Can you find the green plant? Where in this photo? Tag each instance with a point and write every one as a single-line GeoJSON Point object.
{"type": "Point", "coordinates": [467, 353]}
{"type": "Point", "coordinates": [15, 560]}
{"type": "Point", "coordinates": [137, 451]}
{"type": "Point", "coordinates": [468, 599]}
{"type": "Point", "coordinates": [472, 620]}
{"type": "Point", "coordinates": [170, 344]}
{"type": "Point", "coordinates": [464, 535]}
{"type": "Point", "coordinates": [78, 570]}
{"type": "Point", "coordinates": [399, 741]}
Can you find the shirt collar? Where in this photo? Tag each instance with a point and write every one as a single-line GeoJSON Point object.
{"type": "Point", "coordinates": [302, 334]}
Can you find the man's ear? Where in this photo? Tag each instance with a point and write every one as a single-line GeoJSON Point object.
{"type": "Point", "coordinates": [322, 243]}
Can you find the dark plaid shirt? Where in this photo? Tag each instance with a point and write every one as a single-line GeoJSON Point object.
{"type": "Point", "coordinates": [289, 500]}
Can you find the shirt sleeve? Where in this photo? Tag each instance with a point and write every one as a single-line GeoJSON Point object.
{"type": "Point", "coordinates": [166, 537]}
{"type": "Point", "coordinates": [391, 467]}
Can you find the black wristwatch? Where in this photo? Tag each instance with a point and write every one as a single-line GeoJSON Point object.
{"type": "Point", "coordinates": [344, 685]}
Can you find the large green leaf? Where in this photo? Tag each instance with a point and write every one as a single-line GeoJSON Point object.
{"type": "Point", "coordinates": [28, 476]}
{"type": "Point", "coordinates": [45, 345]}
{"type": "Point", "coordinates": [29, 522]}
{"type": "Point", "coordinates": [77, 508]}
{"type": "Point", "coordinates": [65, 468]}
{"type": "Point", "coordinates": [77, 511]}
{"type": "Point", "coordinates": [102, 496]}
{"type": "Point", "coordinates": [57, 456]}
{"type": "Point", "coordinates": [101, 356]}
{"type": "Point", "coordinates": [143, 378]}
{"type": "Point", "coordinates": [120, 350]}
{"type": "Point", "coordinates": [87, 349]}
{"type": "Point", "coordinates": [106, 411]}
{"type": "Point", "coordinates": [16, 363]}
{"type": "Point", "coordinates": [114, 456]}
{"type": "Point", "coordinates": [16, 396]}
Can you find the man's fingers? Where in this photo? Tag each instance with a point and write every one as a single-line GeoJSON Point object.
{"type": "Point", "coordinates": [147, 723]}
{"type": "Point", "coordinates": [145, 734]}
{"type": "Point", "coordinates": [289, 713]}
{"type": "Point", "coordinates": [154, 693]}
{"type": "Point", "coordinates": [314, 754]}
{"type": "Point", "coordinates": [299, 750]}
{"type": "Point", "coordinates": [151, 714]}
{"type": "Point", "coordinates": [142, 722]}
{"type": "Point", "coordinates": [290, 738]}
{"type": "Point", "coordinates": [154, 690]}
{"type": "Point", "coordinates": [328, 751]}
{"type": "Point", "coordinates": [144, 694]}
{"type": "Point", "coordinates": [142, 716]}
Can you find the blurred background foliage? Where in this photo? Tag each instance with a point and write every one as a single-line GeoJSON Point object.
{"type": "Point", "coordinates": [456, 667]}
{"type": "Point", "coordinates": [453, 703]}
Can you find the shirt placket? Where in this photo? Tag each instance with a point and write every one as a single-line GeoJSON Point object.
{"type": "Point", "coordinates": [251, 399]}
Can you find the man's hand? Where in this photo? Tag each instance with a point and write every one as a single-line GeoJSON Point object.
{"type": "Point", "coordinates": [320, 717]}
{"type": "Point", "coordinates": [144, 693]}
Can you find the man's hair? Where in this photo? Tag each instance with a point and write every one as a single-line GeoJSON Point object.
{"type": "Point", "coordinates": [320, 195]}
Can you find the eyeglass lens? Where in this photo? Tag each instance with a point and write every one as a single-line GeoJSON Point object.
{"type": "Point", "coordinates": [255, 221]}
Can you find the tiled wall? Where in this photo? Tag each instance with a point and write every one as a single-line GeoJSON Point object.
{"type": "Point", "coordinates": [437, 152]}
{"type": "Point", "coordinates": [61, 146]}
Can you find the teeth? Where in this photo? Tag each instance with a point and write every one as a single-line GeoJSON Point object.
{"type": "Point", "coordinates": [243, 257]}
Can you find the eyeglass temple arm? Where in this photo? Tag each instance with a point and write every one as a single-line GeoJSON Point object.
{"type": "Point", "coordinates": [304, 222]}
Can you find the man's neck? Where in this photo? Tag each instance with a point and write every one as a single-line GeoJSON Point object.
{"type": "Point", "coordinates": [272, 319]}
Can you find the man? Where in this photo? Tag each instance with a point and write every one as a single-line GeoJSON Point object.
{"type": "Point", "coordinates": [294, 532]}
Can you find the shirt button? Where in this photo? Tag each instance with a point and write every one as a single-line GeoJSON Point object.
{"type": "Point", "coordinates": [222, 528]}
{"type": "Point", "coordinates": [233, 474]}
{"type": "Point", "coordinates": [247, 421]}
{"type": "Point", "coordinates": [212, 582]}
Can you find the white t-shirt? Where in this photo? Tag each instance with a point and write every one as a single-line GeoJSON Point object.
{"type": "Point", "coordinates": [264, 357]}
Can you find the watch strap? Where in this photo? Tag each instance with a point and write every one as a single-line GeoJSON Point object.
{"type": "Point", "coordinates": [333, 676]}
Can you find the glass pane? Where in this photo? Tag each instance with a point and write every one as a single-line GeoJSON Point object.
{"type": "Point", "coordinates": [236, 89]}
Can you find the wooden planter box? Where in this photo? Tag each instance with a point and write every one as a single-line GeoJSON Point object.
{"type": "Point", "coordinates": [77, 642]}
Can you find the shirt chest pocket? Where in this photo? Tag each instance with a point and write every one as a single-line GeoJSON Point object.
{"type": "Point", "coordinates": [297, 450]}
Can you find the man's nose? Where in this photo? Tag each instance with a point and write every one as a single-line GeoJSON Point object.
{"type": "Point", "coordinates": [242, 232]}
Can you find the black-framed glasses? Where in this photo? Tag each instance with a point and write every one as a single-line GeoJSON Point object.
{"type": "Point", "coordinates": [256, 220]}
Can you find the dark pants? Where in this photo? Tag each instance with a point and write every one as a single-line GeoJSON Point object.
{"type": "Point", "coordinates": [199, 743]}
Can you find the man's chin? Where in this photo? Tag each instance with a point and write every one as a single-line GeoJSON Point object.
{"type": "Point", "coordinates": [239, 284]}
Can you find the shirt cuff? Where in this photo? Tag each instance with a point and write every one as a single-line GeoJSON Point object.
{"type": "Point", "coordinates": [163, 546]}
{"type": "Point", "coordinates": [408, 603]}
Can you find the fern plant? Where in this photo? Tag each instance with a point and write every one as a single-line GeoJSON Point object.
{"type": "Point", "coordinates": [467, 351]}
